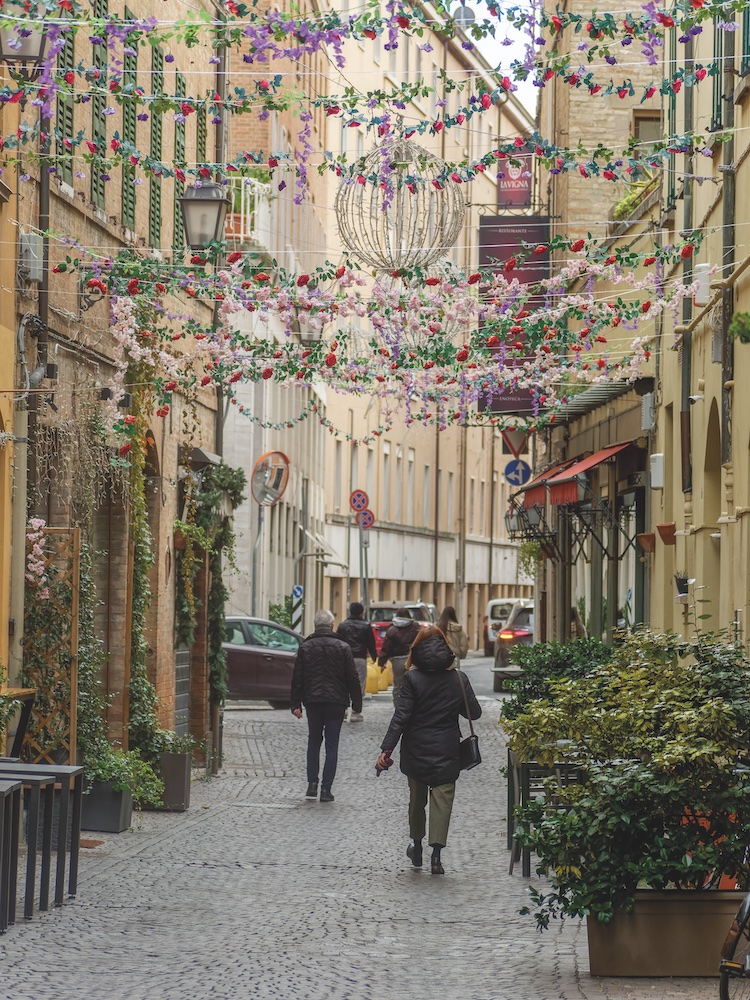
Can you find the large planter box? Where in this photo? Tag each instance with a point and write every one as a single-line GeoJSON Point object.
{"type": "Point", "coordinates": [671, 933]}
{"type": "Point", "coordinates": [174, 770]}
{"type": "Point", "coordinates": [105, 809]}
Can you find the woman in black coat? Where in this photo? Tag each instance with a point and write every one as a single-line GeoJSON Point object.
{"type": "Point", "coordinates": [426, 721]}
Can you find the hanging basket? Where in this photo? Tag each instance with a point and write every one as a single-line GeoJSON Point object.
{"type": "Point", "coordinates": [647, 541]}
{"type": "Point", "coordinates": [667, 532]}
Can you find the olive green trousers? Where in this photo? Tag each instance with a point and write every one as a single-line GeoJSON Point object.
{"type": "Point", "coordinates": [441, 806]}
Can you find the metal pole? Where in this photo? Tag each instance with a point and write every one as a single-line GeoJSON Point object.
{"type": "Point", "coordinates": [728, 246]}
{"type": "Point", "coordinates": [436, 532]}
{"type": "Point", "coordinates": [254, 580]}
{"type": "Point", "coordinates": [362, 563]}
{"type": "Point", "coordinates": [492, 513]}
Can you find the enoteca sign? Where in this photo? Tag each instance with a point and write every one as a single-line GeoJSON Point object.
{"type": "Point", "coordinates": [514, 189]}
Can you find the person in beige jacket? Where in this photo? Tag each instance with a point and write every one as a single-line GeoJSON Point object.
{"type": "Point", "coordinates": [454, 634]}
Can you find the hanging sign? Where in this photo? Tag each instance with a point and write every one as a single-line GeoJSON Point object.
{"type": "Point", "coordinates": [514, 189]}
{"type": "Point", "coordinates": [516, 441]}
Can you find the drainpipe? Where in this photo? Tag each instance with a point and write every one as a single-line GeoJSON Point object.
{"type": "Point", "coordinates": [687, 304]}
{"type": "Point", "coordinates": [728, 249]}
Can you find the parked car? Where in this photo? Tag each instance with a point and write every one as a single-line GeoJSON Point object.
{"type": "Point", "coordinates": [260, 660]}
{"type": "Point", "coordinates": [381, 614]}
{"type": "Point", "coordinates": [517, 631]}
{"type": "Point", "coordinates": [495, 616]}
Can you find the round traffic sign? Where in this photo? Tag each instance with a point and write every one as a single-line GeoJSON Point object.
{"type": "Point", "coordinates": [365, 519]}
{"type": "Point", "coordinates": [297, 591]}
{"type": "Point", "coordinates": [358, 500]}
{"type": "Point", "coordinates": [517, 472]}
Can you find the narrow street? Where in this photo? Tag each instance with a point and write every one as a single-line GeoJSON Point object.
{"type": "Point", "coordinates": [258, 893]}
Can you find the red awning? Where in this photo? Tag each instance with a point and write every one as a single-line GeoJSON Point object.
{"type": "Point", "coordinates": [535, 494]}
{"type": "Point", "coordinates": [564, 486]}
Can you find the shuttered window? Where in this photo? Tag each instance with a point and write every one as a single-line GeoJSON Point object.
{"type": "Point", "coordinates": [745, 61]}
{"type": "Point", "coordinates": [178, 234]}
{"type": "Point", "coordinates": [129, 120]}
{"type": "Point", "coordinates": [717, 110]}
{"type": "Point", "coordinates": [201, 135]}
{"type": "Point", "coordinates": [98, 104]}
{"type": "Point", "coordinates": [154, 199]}
{"type": "Point", "coordinates": [671, 198]}
{"type": "Point", "coordinates": [65, 122]}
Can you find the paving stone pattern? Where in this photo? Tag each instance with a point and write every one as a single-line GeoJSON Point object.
{"type": "Point", "coordinates": [258, 893]}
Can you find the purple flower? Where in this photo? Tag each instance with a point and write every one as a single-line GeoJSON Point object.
{"type": "Point", "coordinates": [169, 58]}
{"type": "Point", "coordinates": [216, 120]}
{"type": "Point", "coordinates": [109, 111]}
{"type": "Point", "coordinates": [142, 117]}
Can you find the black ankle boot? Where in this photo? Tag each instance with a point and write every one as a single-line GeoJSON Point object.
{"type": "Point", "coordinates": [325, 795]}
{"type": "Point", "coordinates": [312, 790]}
{"type": "Point", "coordinates": [436, 867]}
{"type": "Point", "coordinates": [414, 853]}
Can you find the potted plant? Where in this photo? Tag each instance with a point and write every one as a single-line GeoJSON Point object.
{"type": "Point", "coordinates": [173, 765]}
{"type": "Point", "coordinates": [115, 778]}
{"type": "Point", "coordinates": [662, 811]}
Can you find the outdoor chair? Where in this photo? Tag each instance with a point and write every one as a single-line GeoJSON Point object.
{"type": "Point", "coordinates": [10, 824]}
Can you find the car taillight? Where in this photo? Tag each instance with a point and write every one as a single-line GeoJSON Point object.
{"type": "Point", "coordinates": [486, 620]}
{"type": "Point", "coordinates": [507, 635]}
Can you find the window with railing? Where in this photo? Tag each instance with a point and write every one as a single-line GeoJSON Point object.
{"type": "Point", "coordinates": [98, 104]}
{"type": "Point", "coordinates": [129, 125]}
{"type": "Point", "coordinates": [717, 111]}
{"type": "Point", "coordinates": [671, 179]}
{"type": "Point", "coordinates": [65, 112]}
{"type": "Point", "coordinates": [178, 234]}
{"type": "Point", "coordinates": [154, 193]}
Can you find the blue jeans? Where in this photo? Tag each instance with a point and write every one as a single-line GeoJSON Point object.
{"type": "Point", "coordinates": [323, 719]}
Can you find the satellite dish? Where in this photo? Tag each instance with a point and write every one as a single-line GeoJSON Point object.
{"type": "Point", "coordinates": [269, 478]}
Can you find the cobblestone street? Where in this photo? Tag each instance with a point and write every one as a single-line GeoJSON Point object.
{"type": "Point", "coordinates": [258, 893]}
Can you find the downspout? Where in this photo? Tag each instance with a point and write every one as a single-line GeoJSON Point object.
{"type": "Point", "coordinates": [687, 303]}
{"type": "Point", "coordinates": [728, 248]}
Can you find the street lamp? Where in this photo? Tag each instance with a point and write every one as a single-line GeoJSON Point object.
{"type": "Point", "coordinates": [23, 46]}
{"type": "Point", "coordinates": [204, 211]}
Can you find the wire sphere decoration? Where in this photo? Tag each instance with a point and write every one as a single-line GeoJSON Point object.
{"type": "Point", "coordinates": [403, 219]}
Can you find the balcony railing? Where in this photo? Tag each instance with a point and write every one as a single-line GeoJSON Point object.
{"type": "Point", "coordinates": [249, 220]}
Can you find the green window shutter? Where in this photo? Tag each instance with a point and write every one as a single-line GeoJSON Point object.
{"type": "Point", "coordinates": [98, 104]}
{"type": "Point", "coordinates": [717, 110]}
{"type": "Point", "coordinates": [201, 128]}
{"type": "Point", "coordinates": [129, 111]}
{"type": "Point", "coordinates": [671, 198]}
{"type": "Point", "coordinates": [154, 195]}
{"type": "Point", "coordinates": [178, 233]}
{"type": "Point", "coordinates": [65, 120]}
{"type": "Point", "coordinates": [745, 63]}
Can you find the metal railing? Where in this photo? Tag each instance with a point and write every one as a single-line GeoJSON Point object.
{"type": "Point", "coordinates": [249, 220]}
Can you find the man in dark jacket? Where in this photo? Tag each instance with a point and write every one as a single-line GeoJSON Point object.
{"type": "Point", "coordinates": [396, 645]}
{"type": "Point", "coordinates": [358, 633]}
{"type": "Point", "coordinates": [324, 680]}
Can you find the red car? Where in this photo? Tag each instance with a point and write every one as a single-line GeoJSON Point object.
{"type": "Point", "coordinates": [381, 614]}
{"type": "Point", "coordinates": [260, 660]}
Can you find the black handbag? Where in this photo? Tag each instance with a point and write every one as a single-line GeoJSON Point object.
{"type": "Point", "coordinates": [469, 748]}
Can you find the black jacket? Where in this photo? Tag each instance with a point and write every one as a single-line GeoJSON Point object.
{"type": "Point", "coordinates": [426, 720]}
{"type": "Point", "coordinates": [398, 639]}
{"type": "Point", "coordinates": [324, 671]}
{"type": "Point", "coordinates": [359, 635]}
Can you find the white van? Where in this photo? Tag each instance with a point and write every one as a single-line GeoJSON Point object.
{"type": "Point", "coordinates": [496, 615]}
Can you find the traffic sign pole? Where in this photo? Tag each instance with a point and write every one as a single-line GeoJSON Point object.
{"type": "Point", "coordinates": [298, 593]}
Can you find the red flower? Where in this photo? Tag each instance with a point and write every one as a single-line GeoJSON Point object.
{"type": "Point", "coordinates": [369, 33]}
{"type": "Point", "coordinates": [133, 286]}
{"type": "Point", "coordinates": [341, 271]}
{"type": "Point", "coordinates": [124, 449]}
{"type": "Point", "coordinates": [460, 118]}
{"type": "Point", "coordinates": [234, 257]}
{"type": "Point", "coordinates": [331, 360]}
{"type": "Point", "coordinates": [700, 73]}
{"type": "Point", "coordinates": [474, 278]}
{"type": "Point", "coordinates": [204, 172]}
{"type": "Point", "coordinates": [205, 380]}
{"type": "Point", "coordinates": [267, 373]}
{"type": "Point", "coordinates": [486, 101]}
{"type": "Point", "coordinates": [651, 91]}
{"type": "Point", "coordinates": [437, 126]}
{"type": "Point", "coordinates": [272, 161]}
{"type": "Point", "coordinates": [506, 83]}
{"type": "Point", "coordinates": [556, 23]}
{"type": "Point", "coordinates": [687, 251]}
{"type": "Point", "coordinates": [403, 22]}
{"type": "Point", "coordinates": [595, 90]}
{"type": "Point", "coordinates": [622, 92]}
{"type": "Point", "coordinates": [649, 260]}
{"type": "Point", "coordinates": [302, 280]}
{"type": "Point", "coordinates": [70, 77]}
{"type": "Point", "coordinates": [510, 264]}
{"type": "Point", "coordinates": [577, 246]}
{"type": "Point", "coordinates": [676, 86]}
{"type": "Point", "coordinates": [645, 306]}
{"type": "Point", "coordinates": [432, 281]}
{"type": "Point", "coordinates": [264, 85]}
{"type": "Point", "coordinates": [170, 386]}
{"type": "Point", "coordinates": [186, 109]}
{"type": "Point", "coordinates": [335, 110]}
{"type": "Point", "coordinates": [161, 289]}
{"type": "Point", "coordinates": [262, 276]}
{"type": "Point", "coordinates": [462, 355]}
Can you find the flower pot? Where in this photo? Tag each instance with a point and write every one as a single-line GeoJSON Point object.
{"type": "Point", "coordinates": [180, 542]}
{"type": "Point", "coordinates": [106, 808]}
{"type": "Point", "coordinates": [174, 771]}
{"type": "Point", "coordinates": [647, 542]}
{"type": "Point", "coordinates": [670, 933]}
{"type": "Point", "coordinates": [667, 532]}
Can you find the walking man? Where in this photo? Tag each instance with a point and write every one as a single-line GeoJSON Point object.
{"type": "Point", "coordinates": [396, 645]}
{"type": "Point", "coordinates": [324, 680]}
{"type": "Point", "coordinates": [358, 633]}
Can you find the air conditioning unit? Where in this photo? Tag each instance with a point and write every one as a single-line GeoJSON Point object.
{"type": "Point", "coordinates": [648, 412]}
{"type": "Point", "coordinates": [30, 257]}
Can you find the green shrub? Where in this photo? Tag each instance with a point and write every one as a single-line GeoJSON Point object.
{"type": "Point", "coordinates": [546, 662]}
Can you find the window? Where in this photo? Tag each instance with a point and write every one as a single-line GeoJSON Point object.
{"type": "Point", "coordinates": [647, 130]}
{"type": "Point", "coordinates": [450, 501]}
{"type": "Point", "coordinates": [65, 106]}
{"type": "Point", "coordinates": [399, 483]}
{"type": "Point", "coordinates": [717, 111]}
{"type": "Point", "coordinates": [410, 487]}
{"type": "Point", "coordinates": [98, 104]}
{"type": "Point", "coordinates": [672, 124]}
{"type": "Point", "coordinates": [371, 474]}
{"type": "Point", "coordinates": [154, 192]}
{"type": "Point", "coordinates": [178, 233]}
{"type": "Point", "coordinates": [386, 481]}
{"type": "Point", "coordinates": [472, 504]}
{"type": "Point", "coordinates": [272, 638]}
{"type": "Point", "coordinates": [482, 508]}
{"type": "Point", "coordinates": [392, 61]}
{"type": "Point", "coordinates": [354, 468]}
{"type": "Point", "coordinates": [235, 635]}
{"type": "Point", "coordinates": [426, 496]}
{"type": "Point", "coordinates": [129, 120]}
{"type": "Point", "coordinates": [338, 473]}
{"type": "Point", "coordinates": [745, 57]}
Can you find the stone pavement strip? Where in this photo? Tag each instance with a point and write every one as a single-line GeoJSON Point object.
{"type": "Point", "coordinates": [258, 893]}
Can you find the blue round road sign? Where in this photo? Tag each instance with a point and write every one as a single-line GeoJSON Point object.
{"type": "Point", "coordinates": [358, 500]}
{"type": "Point", "coordinates": [365, 519]}
{"type": "Point", "coordinates": [297, 591]}
{"type": "Point", "coordinates": [517, 472]}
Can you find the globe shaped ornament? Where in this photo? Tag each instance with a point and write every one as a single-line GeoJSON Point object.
{"type": "Point", "coordinates": [399, 218]}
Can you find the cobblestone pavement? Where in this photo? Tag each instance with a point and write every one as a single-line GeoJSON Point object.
{"type": "Point", "coordinates": [258, 893]}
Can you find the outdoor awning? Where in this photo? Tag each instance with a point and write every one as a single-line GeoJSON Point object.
{"type": "Point", "coordinates": [564, 487]}
{"type": "Point", "coordinates": [535, 494]}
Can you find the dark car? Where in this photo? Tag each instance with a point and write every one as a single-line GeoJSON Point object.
{"type": "Point", "coordinates": [260, 660]}
{"type": "Point", "coordinates": [517, 631]}
{"type": "Point", "coordinates": [381, 614]}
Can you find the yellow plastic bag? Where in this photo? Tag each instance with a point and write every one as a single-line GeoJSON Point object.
{"type": "Point", "coordinates": [373, 679]}
{"type": "Point", "coordinates": [386, 677]}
